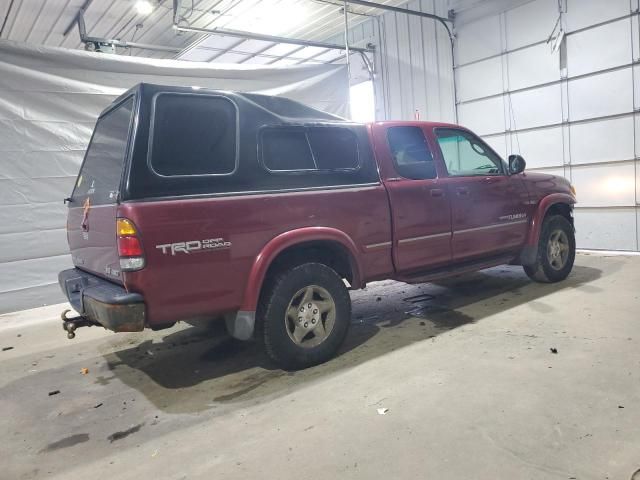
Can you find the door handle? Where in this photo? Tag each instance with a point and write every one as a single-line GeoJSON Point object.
{"type": "Point", "coordinates": [462, 191]}
{"type": "Point", "coordinates": [490, 179]}
{"type": "Point", "coordinates": [437, 192]}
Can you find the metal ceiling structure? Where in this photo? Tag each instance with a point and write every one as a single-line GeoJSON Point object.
{"type": "Point", "coordinates": [45, 22]}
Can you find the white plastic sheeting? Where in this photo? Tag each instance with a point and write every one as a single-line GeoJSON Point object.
{"type": "Point", "coordinates": [49, 101]}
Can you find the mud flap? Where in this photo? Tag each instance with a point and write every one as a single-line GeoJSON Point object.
{"type": "Point", "coordinates": [240, 325]}
{"type": "Point", "coordinates": [528, 255]}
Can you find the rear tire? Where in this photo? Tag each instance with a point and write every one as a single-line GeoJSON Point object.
{"type": "Point", "coordinates": [556, 251]}
{"type": "Point", "coordinates": [305, 314]}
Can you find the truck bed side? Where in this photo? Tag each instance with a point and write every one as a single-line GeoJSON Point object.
{"type": "Point", "coordinates": [212, 280]}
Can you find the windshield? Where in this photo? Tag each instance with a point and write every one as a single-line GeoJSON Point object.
{"type": "Point", "coordinates": [99, 178]}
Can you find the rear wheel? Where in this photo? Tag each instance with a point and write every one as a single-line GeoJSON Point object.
{"type": "Point", "coordinates": [556, 251]}
{"type": "Point", "coordinates": [305, 315]}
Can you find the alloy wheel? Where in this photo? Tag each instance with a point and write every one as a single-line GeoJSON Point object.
{"type": "Point", "coordinates": [310, 316]}
{"type": "Point", "coordinates": [558, 249]}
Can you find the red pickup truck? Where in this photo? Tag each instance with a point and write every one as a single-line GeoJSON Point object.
{"type": "Point", "coordinates": [194, 204]}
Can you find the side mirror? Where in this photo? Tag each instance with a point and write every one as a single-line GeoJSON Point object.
{"type": "Point", "coordinates": [516, 164]}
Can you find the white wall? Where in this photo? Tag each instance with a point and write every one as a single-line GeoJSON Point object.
{"type": "Point", "coordinates": [570, 112]}
{"type": "Point", "coordinates": [414, 65]}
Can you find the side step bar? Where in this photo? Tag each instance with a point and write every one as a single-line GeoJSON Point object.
{"type": "Point", "coordinates": [452, 271]}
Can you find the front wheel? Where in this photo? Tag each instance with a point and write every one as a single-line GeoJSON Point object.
{"type": "Point", "coordinates": [306, 311]}
{"type": "Point", "coordinates": [556, 251]}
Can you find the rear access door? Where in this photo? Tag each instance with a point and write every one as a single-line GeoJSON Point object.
{"type": "Point", "coordinates": [419, 202]}
{"type": "Point", "coordinates": [91, 221]}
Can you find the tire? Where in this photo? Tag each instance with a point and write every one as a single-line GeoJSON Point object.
{"type": "Point", "coordinates": [556, 251]}
{"type": "Point", "coordinates": [299, 335]}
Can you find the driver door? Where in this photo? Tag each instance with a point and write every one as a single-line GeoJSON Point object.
{"type": "Point", "coordinates": [488, 206]}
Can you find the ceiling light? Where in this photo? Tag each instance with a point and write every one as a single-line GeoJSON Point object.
{"type": "Point", "coordinates": [144, 7]}
{"type": "Point", "coordinates": [271, 21]}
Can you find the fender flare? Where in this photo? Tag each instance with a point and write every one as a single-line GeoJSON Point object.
{"type": "Point", "coordinates": [542, 208]}
{"type": "Point", "coordinates": [529, 252]}
{"type": "Point", "coordinates": [289, 239]}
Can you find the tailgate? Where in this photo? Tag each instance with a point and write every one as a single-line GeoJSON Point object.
{"type": "Point", "coordinates": [91, 221]}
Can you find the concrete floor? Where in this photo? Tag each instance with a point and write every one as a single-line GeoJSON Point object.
{"type": "Point", "coordinates": [464, 368]}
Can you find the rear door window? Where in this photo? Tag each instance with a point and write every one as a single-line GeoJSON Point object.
{"type": "Point", "coordinates": [322, 149]}
{"type": "Point", "coordinates": [99, 178]}
{"type": "Point", "coordinates": [411, 155]}
{"type": "Point", "coordinates": [193, 135]}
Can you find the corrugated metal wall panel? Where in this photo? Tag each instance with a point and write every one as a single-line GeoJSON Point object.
{"type": "Point", "coordinates": [580, 121]}
{"type": "Point", "coordinates": [413, 63]}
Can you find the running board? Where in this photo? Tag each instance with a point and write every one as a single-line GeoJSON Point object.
{"type": "Point", "coordinates": [452, 271]}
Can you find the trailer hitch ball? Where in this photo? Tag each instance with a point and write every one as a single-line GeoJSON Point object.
{"type": "Point", "coordinates": [70, 328]}
{"type": "Point", "coordinates": [70, 325]}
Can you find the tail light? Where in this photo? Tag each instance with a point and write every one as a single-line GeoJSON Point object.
{"type": "Point", "coordinates": [129, 246]}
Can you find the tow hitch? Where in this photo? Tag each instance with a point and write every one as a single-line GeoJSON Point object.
{"type": "Point", "coordinates": [70, 324]}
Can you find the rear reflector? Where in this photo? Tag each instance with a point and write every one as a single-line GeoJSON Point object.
{"type": "Point", "coordinates": [129, 246]}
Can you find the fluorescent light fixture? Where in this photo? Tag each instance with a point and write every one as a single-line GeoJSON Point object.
{"type": "Point", "coordinates": [144, 7]}
{"type": "Point", "coordinates": [264, 18]}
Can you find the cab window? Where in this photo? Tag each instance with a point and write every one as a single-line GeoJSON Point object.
{"type": "Point", "coordinates": [411, 155]}
{"type": "Point", "coordinates": [466, 155]}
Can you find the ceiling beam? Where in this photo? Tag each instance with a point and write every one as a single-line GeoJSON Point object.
{"type": "Point", "coordinates": [268, 38]}
{"type": "Point", "coordinates": [444, 21]}
{"type": "Point", "coordinates": [73, 22]}
{"type": "Point", "coordinates": [84, 38]}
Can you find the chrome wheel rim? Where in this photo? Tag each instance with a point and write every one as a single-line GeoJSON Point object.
{"type": "Point", "coordinates": [558, 249]}
{"type": "Point", "coordinates": [310, 316]}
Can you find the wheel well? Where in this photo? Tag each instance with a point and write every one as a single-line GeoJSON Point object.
{"type": "Point", "coordinates": [329, 253]}
{"type": "Point", "coordinates": [563, 209]}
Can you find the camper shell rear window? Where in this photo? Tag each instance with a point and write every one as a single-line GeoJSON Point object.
{"type": "Point", "coordinates": [101, 172]}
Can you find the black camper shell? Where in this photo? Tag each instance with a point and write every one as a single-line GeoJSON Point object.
{"type": "Point", "coordinates": [189, 141]}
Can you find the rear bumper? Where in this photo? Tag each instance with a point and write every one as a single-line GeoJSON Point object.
{"type": "Point", "coordinates": [103, 302]}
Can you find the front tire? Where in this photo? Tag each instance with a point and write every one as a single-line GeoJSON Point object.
{"type": "Point", "coordinates": [556, 251]}
{"type": "Point", "coordinates": [305, 314]}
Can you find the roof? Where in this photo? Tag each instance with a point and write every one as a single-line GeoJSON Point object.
{"type": "Point", "coordinates": [408, 123]}
{"type": "Point", "coordinates": [45, 23]}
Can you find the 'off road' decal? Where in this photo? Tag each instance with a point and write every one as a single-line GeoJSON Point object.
{"type": "Point", "coordinates": [194, 246]}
